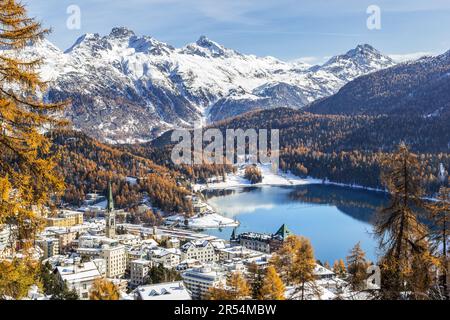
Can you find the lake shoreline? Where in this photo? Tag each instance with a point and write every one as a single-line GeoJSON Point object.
{"type": "Point", "coordinates": [273, 180]}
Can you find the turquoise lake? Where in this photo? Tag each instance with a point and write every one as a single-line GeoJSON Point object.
{"type": "Point", "coordinates": [334, 218]}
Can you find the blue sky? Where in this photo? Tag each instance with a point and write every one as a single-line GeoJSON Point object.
{"type": "Point", "coordinates": [287, 29]}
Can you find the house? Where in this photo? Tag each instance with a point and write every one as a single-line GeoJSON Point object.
{"type": "Point", "coordinates": [79, 277]}
{"type": "Point", "coordinates": [169, 258]}
{"type": "Point", "coordinates": [173, 243]}
{"type": "Point", "coordinates": [64, 235]}
{"type": "Point", "coordinates": [323, 273]}
{"type": "Point", "coordinates": [232, 252]}
{"type": "Point", "coordinates": [4, 236]}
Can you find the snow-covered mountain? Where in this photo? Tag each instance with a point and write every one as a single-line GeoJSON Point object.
{"type": "Point", "coordinates": [128, 88]}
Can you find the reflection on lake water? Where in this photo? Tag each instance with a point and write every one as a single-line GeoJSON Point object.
{"type": "Point", "coordinates": [333, 218]}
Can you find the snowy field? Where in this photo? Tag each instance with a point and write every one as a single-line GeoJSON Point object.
{"type": "Point", "coordinates": [269, 179]}
{"type": "Point", "coordinates": [207, 221]}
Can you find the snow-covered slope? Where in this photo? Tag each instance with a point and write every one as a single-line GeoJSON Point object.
{"type": "Point", "coordinates": [128, 88]}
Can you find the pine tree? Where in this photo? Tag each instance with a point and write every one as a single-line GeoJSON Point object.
{"type": "Point", "coordinates": [272, 286]}
{"type": "Point", "coordinates": [402, 236]}
{"type": "Point", "coordinates": [357, 268]}
{"type": "Point", "coordinates": [104, 290]}
{"type": "Point", "coordinates": [440, 216]}
{"type": "Point", "coordinates": [27, 168]}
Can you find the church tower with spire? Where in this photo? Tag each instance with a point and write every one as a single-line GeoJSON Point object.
{"type": "Point", "coordinates": [110, 214]}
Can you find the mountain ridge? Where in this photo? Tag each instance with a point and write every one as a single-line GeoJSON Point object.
{"type": "Point", "coordinates": [126, 88]}
{"type": "Point", "coordinates": [420, 88]}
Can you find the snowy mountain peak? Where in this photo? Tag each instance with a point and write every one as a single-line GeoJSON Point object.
{"type": "Point", "coordinates": [361, 60]}
{"type": "Point", "coordinates": [362, 54]}
{"type": "Point", "coordinates": [121, 33]}
{"type": "Point", "coordinates": [83, 41]}
{"type": "Point", "coordinates": [364, 49]}
{"type": "Point", "coordinates": [45, 45]}
{"type": "Point", "coordinates": [150, 45]}
{"type": "Point", "coordinates": [205, 47]}
{"type": "Point", "coordinates": [204, 42]}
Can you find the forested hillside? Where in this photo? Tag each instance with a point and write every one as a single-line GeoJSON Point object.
{"type": "Point", "coordinates": [87, 165]}
{"type": "Point", "coordinates": [341, 148]}
{"type": "Point", "coordinates": [349, 149]}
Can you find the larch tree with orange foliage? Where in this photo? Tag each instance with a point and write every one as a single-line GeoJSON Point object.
{"type": "Point", "coordinates": [284, 258]}
{"type": "Point", "coordinates": [272, 286]}
{"type": "Point", "coordinates": [103, 289]}
{"type": "Point", "coordinates": [402, 235]}
{"type": "Point", "coordinates": [237, 288]}
{"type": "Point", "coordinates": [28, 178]}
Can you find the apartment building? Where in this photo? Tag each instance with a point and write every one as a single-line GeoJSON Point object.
{"type": "Point", "coordinates": [49, 246]}
{"type": "Point", "coordinates": [138, 271]}
{"type": "Point", "coordinates": [199, 281]}
{"type": "Point", "coordinates": [116, 259]}
{"type": "Point", "coordinates": [66, 218]}
{"type": "Point", "coordinates": [201, 250]}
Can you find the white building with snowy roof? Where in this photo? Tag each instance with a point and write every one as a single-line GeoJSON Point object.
{"type": "Point", "coordinates": [201, 250]}
{"type": "Point", "coordinates": [169, 258]}
{"type": "Point", "coordinates": [79, 277]}
{"type": "Point", "coordinates": [198, 281]}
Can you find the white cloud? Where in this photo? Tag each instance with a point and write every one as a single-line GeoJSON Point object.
{"type": "Point", "coordinates": [410, 56]}
{"type": "Point", "coordinates": [311, 60]}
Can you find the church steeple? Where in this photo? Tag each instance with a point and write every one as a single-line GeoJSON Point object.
{"type": "Point", "coordinates": [234, 237]}
{"type": "Point", "coordinates": [110, 214]}
{"type": "Point", "coordinates": [283, 232]}
{"type": "Point", "coordinates": [110, 203]}
{"type": "Point", "coordinates": [233, 234]}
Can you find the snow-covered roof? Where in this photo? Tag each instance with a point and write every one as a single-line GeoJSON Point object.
{"type": "Point", "coordinates": [195, 243]}
{"type": "Point", "coordinates": [322, 271]}
{"type": "Point", "coordinates": [78, 273]}
{"type": "Point", "coordinates": [141, 261]}
{"type": "Point", "coordinates": [164, 291]}
{"type": "Point", "coordinates": [161, 252]}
